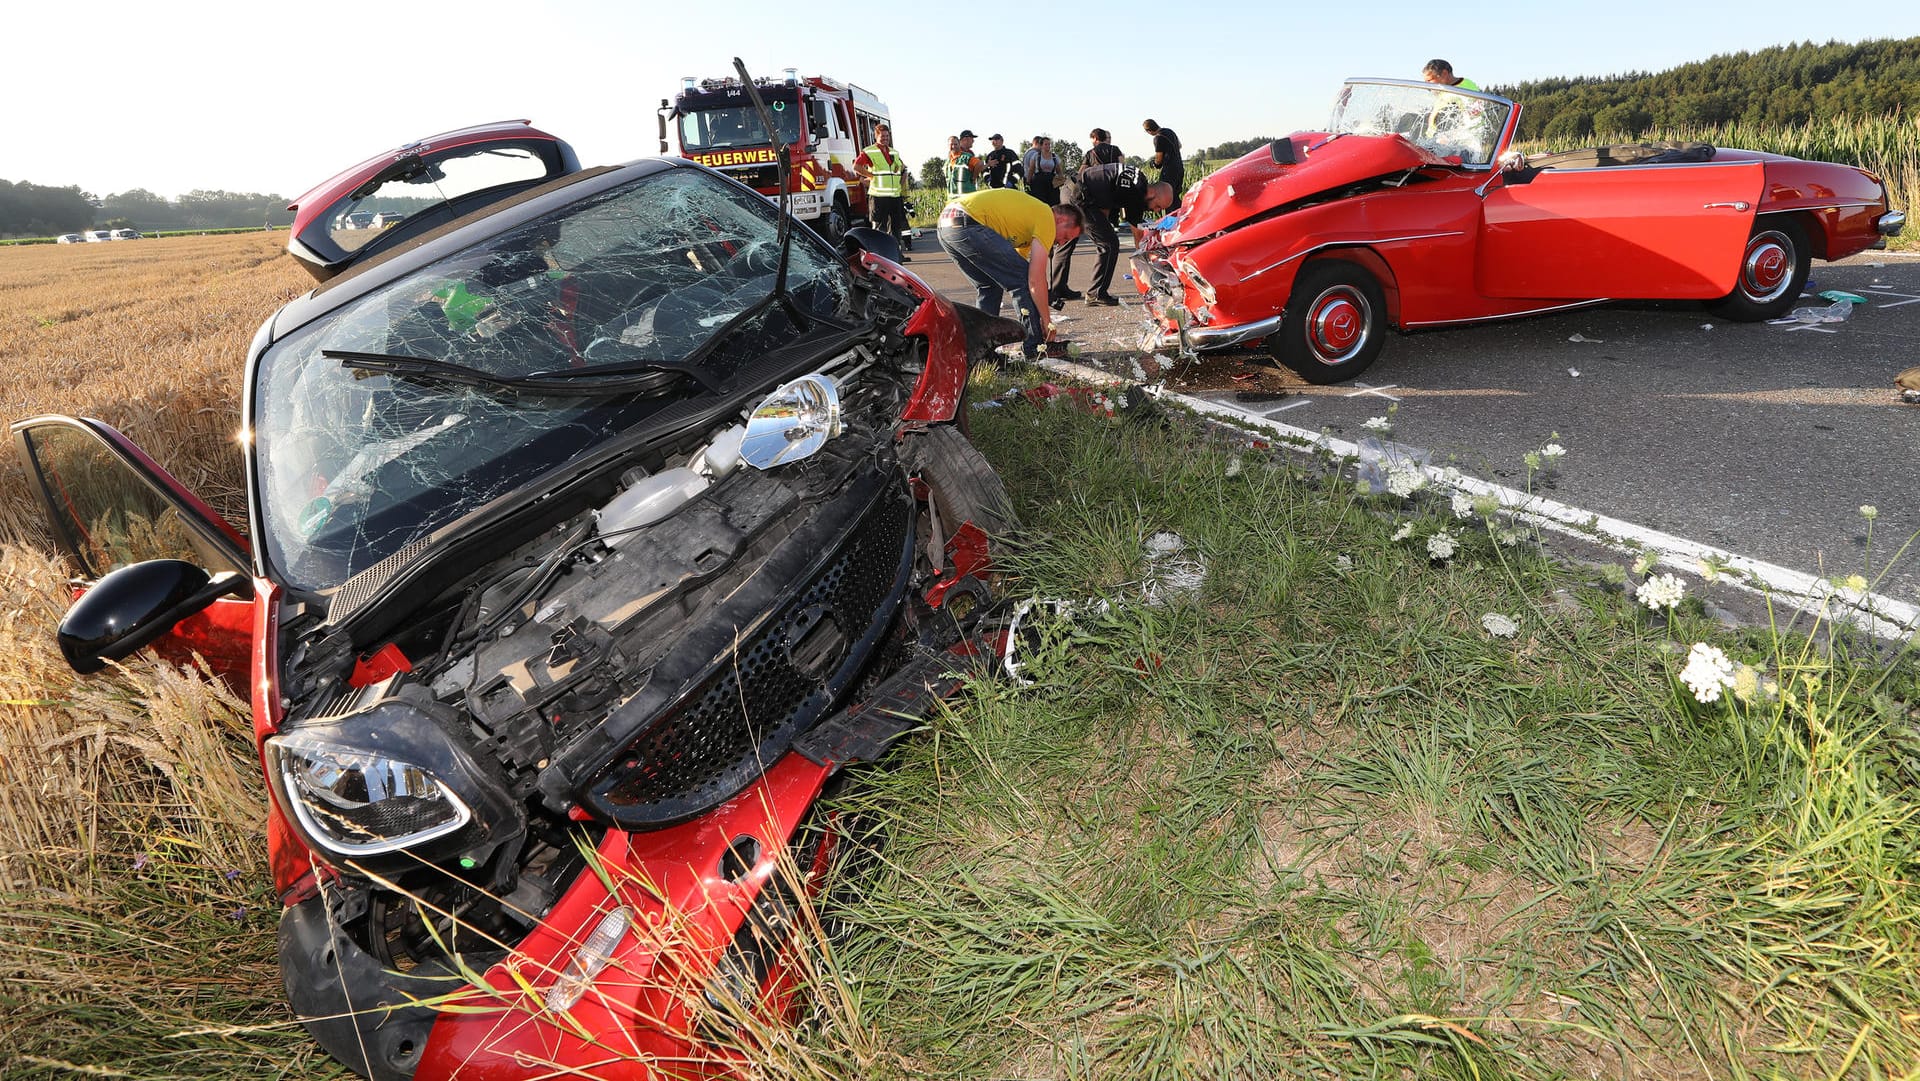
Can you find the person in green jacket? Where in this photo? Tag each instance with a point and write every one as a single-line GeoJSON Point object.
{"type": "Point", "coordinates": [1439, 71]}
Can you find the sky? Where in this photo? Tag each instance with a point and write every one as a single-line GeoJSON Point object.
{"type": "Point", "coordinates": [275, 98]}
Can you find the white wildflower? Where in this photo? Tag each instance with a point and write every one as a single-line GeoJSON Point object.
{"type": "Point", "coordinates": [1869, 511]}
{"type": "Point", "coordinates": [1855, 584]}
{"type": "Point", "coordinates": [1404, 480]}
{"type": "Point", "coordinates": [1509, 538]}
{"type": "Point", "coordinates": [1645, 563]}
{"type": "Point", "coordinates": [1343, 564]}
{"type": "Point", "coordinates": [1498, 625]}
{"type": "Point", "coordinates": [1462, 505]}
{"type": "Point", "coordinates": [1405, 531]}
{"type": "Point", "coordinates": [1709, 572]}
{"type": "Point", "coordinates": [1378, 424]}
{"type": "Point", "coordinates": [1661, 591]}
{"type": "Point", "coordinates": [1708, 672]}
{"type": "Point", "coordinates": [1440, 545]}
{"type": "Point", "coordinates": [1553, 452]}
{"type": "Point", "coordinates": [1233, 466]}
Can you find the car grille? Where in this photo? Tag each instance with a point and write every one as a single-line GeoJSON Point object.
{"type": "Point", "coordinates": [766, 175]}
{"type": "Point", "coordinates": [721, 735]}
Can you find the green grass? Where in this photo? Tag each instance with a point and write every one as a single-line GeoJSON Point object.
{"type": "Point", "coordinates": [1317, 822]}
{"type": "Point", "coordinates": [1312, 821]}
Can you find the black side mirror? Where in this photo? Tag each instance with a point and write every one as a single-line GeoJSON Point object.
{"type": "Point", "coordinates": [1282, 151]}
{"type": "Point", "coordinates": [134, 605]}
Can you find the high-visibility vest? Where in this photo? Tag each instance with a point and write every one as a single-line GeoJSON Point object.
{"type": "Point", "coordinates": [887, 178]}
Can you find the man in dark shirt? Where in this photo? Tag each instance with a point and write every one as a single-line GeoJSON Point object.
{"type": "Point", "coordinates": [1166, 157]}
{"type": "Point", "coordinates": [1105, 191]}
{"type": "Point", "coordinates": [1003, 164]}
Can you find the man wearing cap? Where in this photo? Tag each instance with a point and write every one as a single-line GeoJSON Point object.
{"type": "Point", "coordinates": [963, 167]}
{"type": "Point", "coordinates": [999, 238]}
{"type": "Point", "coordinates": [1003, 165]}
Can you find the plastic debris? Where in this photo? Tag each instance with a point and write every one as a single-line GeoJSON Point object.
{"type": "Point", "coordinates": [1587, 340]}
{"type": "Point", "coordinates": [1378, 459]}
{"type": "Point", "coordinates": [1172, 573]}
{"type": "Point", "coordinates": [1575, 372]}
{"type": "Point", "coordinates": [1706, 326]}
{"type": "Point", "coordinates": [1909, 383]}
{"type": "Point", "coordinates": [1840, 294]}
{"type": "Point", "coordinates": [1835, 312]}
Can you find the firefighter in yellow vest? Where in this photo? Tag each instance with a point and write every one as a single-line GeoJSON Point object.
{"type": "Point", "coordinates": [886, 174]}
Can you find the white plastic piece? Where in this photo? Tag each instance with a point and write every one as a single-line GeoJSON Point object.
{"type": "Point", "coordinates": [723, 454]}
{"type": "Point", "coordinates": [646, 502]}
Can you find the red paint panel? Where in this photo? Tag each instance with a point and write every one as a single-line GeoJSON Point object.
{"type": "Point", "coordinates": [1647, 232]}
{"type": "Point", "coordinates": [686, 914]}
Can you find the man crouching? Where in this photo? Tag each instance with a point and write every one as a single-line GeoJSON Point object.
{"type": "Point", "coordinates": [999, 238]}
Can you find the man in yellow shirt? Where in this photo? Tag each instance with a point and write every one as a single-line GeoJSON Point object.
{"type": "Point", "coordinates": [999, 238]}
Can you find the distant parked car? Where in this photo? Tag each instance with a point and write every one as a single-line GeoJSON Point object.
{"type": "Point", "coordinates": [387, 219]}
{"type": "Point", "coordinates": [99, 236]}
{"type": "Point", "coordinates": [126, 234]}
{"type": "Point", "coordinates": [72, 238]}
{"type": "Point", "coordinates": [359, 219]}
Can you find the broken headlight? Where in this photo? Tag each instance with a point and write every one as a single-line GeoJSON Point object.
{"type": "Point", "coordinates": [390, 785]}
{"type": "Point", "coordinates": [358, 804]}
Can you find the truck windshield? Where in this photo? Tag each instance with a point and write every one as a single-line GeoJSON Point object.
{"type": "Point", "coordinates": [737, 124]}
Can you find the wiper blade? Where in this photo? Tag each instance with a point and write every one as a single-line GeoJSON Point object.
{"type": "Point", "coordinates": [620, 379]}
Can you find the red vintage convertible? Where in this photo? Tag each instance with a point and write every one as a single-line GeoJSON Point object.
{"type": "Point", "coordinates": [1410, 211]}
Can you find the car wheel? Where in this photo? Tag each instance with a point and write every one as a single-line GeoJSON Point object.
{"type": "Point", "coordinates": [961, 483]}
{"type": "Point", "coordinates": [835, 224]}
{"type": "Point", "coordinates": [1335, 322]}
{"type": "Point", "coordinates": [1772, 271]}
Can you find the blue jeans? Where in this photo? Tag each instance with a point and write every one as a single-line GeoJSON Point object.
{"type": "Point", "coordinates": [993, 264]}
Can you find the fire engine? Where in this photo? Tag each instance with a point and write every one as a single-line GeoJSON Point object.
{"type": "Point", "coordinates": [820, 123]}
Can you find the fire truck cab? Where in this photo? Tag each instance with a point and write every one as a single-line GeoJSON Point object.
{"type": "Point", "coordinates": [820, 124]}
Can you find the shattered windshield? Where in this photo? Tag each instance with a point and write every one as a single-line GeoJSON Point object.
{"type": "Point", "coordinates": [425, 399]}
{"type": "Point", "coordinates": [1444, 120]}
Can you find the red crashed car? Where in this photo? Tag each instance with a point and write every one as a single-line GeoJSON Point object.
{"type": "Point", "coordinates": [597, 519]}
{"type": "Point", "coordinates": [1409, 212]}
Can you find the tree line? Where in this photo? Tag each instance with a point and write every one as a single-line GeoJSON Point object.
{"type": "Point", "coordinates": [35, 210]}
{"type": "Point", "coordinates": [1781, 86]}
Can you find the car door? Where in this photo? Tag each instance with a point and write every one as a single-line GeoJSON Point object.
{"type": "Point", "coordinates": [1652, 232]}
{"type": "Point", "coordinates": [108, 505]}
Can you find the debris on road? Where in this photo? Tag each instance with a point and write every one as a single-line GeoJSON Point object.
{"type": "Point", "coordinates": [1589, 341]}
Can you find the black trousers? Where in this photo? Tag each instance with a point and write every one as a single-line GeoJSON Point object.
{"type": "Point", "coordinates": [888, 213]}
{"type": "Point", "coordinates": [1098, 231]}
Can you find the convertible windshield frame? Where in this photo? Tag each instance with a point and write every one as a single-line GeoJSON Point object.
{"type": "Point", "coordinates": [1447, 121]}
{"type": "Point", "coordinates": [446, 385]}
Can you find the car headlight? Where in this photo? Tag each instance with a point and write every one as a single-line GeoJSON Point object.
{"type": "Point", "coordinates": [793, 422]}
{"type": "Point", "coordinates": [390, 786]}
{"type": "Point", "coordinates": [360, 804]}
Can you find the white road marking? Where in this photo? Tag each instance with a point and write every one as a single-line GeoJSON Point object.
{"type": "Point", "coordinates": [1910, 298]}
{"type": "Point", "coordinates": [1879, 615]}
{"type": "Point", "coordinates": [1381, 391]}
{"type": "Point", "coordinates": [1811, 326]}
{"type": "Point", "coordinates": [1289, 405]}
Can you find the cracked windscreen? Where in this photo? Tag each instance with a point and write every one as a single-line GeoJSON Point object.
{"type": "Point", "coordinates": [428, 398]}
{"type": "Point", "coordinates": [1449, 123]}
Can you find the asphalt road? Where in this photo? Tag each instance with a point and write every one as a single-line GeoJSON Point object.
{"type": "Point", "coordinates": [1764, 440]}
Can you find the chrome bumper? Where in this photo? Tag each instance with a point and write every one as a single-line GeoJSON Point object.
{"type": "Point", "coordinates": [1890, 223]}
{"type": "Point", "coordinates": [1190, 339]}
